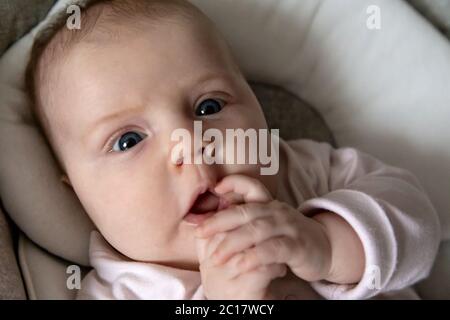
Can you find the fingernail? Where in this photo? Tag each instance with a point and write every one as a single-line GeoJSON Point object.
{"type": "Point", "coordinates": [217, 188]}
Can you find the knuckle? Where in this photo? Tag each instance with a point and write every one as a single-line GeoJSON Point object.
{"type": "Point", "coordinates": [277, 244]}
{"type": "Point", "coordinates": [286, 210]}
{"type": "Point", "coordinates": [240, 262]}
{"type": "Point", "coordinates": [245, 212]}
{"type": "Point", "coordinates": [292, 227]}
{"type": "Point", "coordinates": [283, 218]}
{"type": "Point", "coordinates": [253, 229]}
{"type": "Point", "coordinates": [280, 246]}
{"type": "Point", "coordinates": [280, 208]}
{"type": "Point", "coordinates": [259, 228]}
{"type": "Point", "coordinates": [247, 260]}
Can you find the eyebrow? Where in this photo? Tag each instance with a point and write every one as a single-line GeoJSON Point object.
{"type": "Point", "coordinates": [128, 112]}
{"type": "Point", "coordinates": [123, 113]}
{"type": "Point", "coordinates": [222, 76]}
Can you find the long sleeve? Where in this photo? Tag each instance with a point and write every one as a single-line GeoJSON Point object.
{"type": "Point", "coordinates": [385, 205]}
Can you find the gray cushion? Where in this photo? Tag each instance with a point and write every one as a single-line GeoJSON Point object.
{"type": "Point", "coordinates": [293, 116]}
{"type": "Point", "coordinates": [18, 16]}
{"type": "Point", "coordinates": [11, 286]}
{"type": "Point", "coordinates": [438, 12]}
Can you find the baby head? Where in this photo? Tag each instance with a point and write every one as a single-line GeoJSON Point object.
{"type": "Point", "coordinates": [109, 96]}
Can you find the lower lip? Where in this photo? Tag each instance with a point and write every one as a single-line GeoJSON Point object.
{"type": "Point", "coordinates": [196, 219]}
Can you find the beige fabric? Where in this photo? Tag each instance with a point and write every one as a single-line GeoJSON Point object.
{"type": "Point", "coordinates": [44, 274]}
{"type": "Point", "coordinates": [18, 16]}
{"type": "Point", "coordinates": [11, 286]}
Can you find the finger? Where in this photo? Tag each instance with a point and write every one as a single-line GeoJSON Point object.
{"type": "Point", "coordinates": [251, 189]}
{"type": "Point", "coordinates": [244, 237]}
{"type": "Point", "coordinates": [274, 250]}
{"type": "Point", "coordinates": [229, 270]}
{"type": "Point", "coordinates": [231, 218]}
{"type": "Point", "coordinates": [260, 278]}
{"type": "Point", "coordinates": [206, 246]}
{"type": "Point", "coordinates": [232, 268]}
{"type": "Point", "coordinates": [228, 199]}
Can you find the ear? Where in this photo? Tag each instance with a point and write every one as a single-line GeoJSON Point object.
{"type": "Point", "coordinates": [65, 179]}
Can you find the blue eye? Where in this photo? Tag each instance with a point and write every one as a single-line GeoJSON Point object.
{"type": "Point", "coordinates": [127, 141]}
{"type": "Point", "coordinates": [209, 106]}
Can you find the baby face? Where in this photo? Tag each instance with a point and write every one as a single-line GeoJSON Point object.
{"type": "Point", "coordinates": [119, 100]}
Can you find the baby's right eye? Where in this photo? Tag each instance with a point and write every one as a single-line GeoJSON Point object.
{"type": "Point", "coordinates": [128, 141]}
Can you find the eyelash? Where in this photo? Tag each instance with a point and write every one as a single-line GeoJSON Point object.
{"type": "Point", "coordinates": [111, 141]}
{"type": "Point", "coordinates": [115, 136]}
{"type": "Point", "coordinates": [214, 95]}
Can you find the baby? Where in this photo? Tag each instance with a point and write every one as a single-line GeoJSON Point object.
{"type": "Point", "coordinates": [331, 223]}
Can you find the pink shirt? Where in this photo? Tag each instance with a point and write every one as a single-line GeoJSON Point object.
{"type": "Point", "coordinates": [386, 206]}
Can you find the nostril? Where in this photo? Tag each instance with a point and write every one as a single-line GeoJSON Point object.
{"type": "Point", "coordinates": [209, 151]}
{"type": "Point", "coordinates": [179, 161]}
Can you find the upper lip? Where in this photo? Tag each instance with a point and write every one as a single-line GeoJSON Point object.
{"type": "Point", "coordinates": [198, 191]}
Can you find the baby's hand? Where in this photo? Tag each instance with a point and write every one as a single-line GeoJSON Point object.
{"type": "Point", "coordinates": [232, 279]}
{"type": "Point", "coordinates": [265, 232]}
{"type": "Point", "coordinates": [229, 281]}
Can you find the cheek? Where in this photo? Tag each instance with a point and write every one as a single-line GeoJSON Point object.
{"type": "Point", "coordinates": [248, 116]}
{"type": "Point", "coordinates": [126, 197]}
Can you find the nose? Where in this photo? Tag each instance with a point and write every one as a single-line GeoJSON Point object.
{"type": "Point", "coordinates": [187, 157]}
{"type": "Point", "coordinates": [183, 139]}
{"type": "Point", "coordinates": [191, 152]}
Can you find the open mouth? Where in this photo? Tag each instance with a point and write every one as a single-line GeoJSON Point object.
{"type": "Point", "coordinates": [204, 206]}
{"type": "Point", "coordinates": [205, 202]}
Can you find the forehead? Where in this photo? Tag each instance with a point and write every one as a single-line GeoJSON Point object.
{"type": "Point", "coordinates": [100, 71]}
{"type": "Point", "coordinates": [174, 40]}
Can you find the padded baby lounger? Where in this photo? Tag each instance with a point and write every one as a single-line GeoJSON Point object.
{"type": "Point", "coordinates": [383, 90]}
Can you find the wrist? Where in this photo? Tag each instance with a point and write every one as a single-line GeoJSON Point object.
{"type": "Point", "coordinates": [328, 248]}
{"type": "Point", "coordinates": [346, 254]}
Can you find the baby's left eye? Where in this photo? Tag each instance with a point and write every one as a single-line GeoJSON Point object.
{"type": "Point", "coordinates": [128, 141]}
{"type": "Point", "coordinates": [209, 106]}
